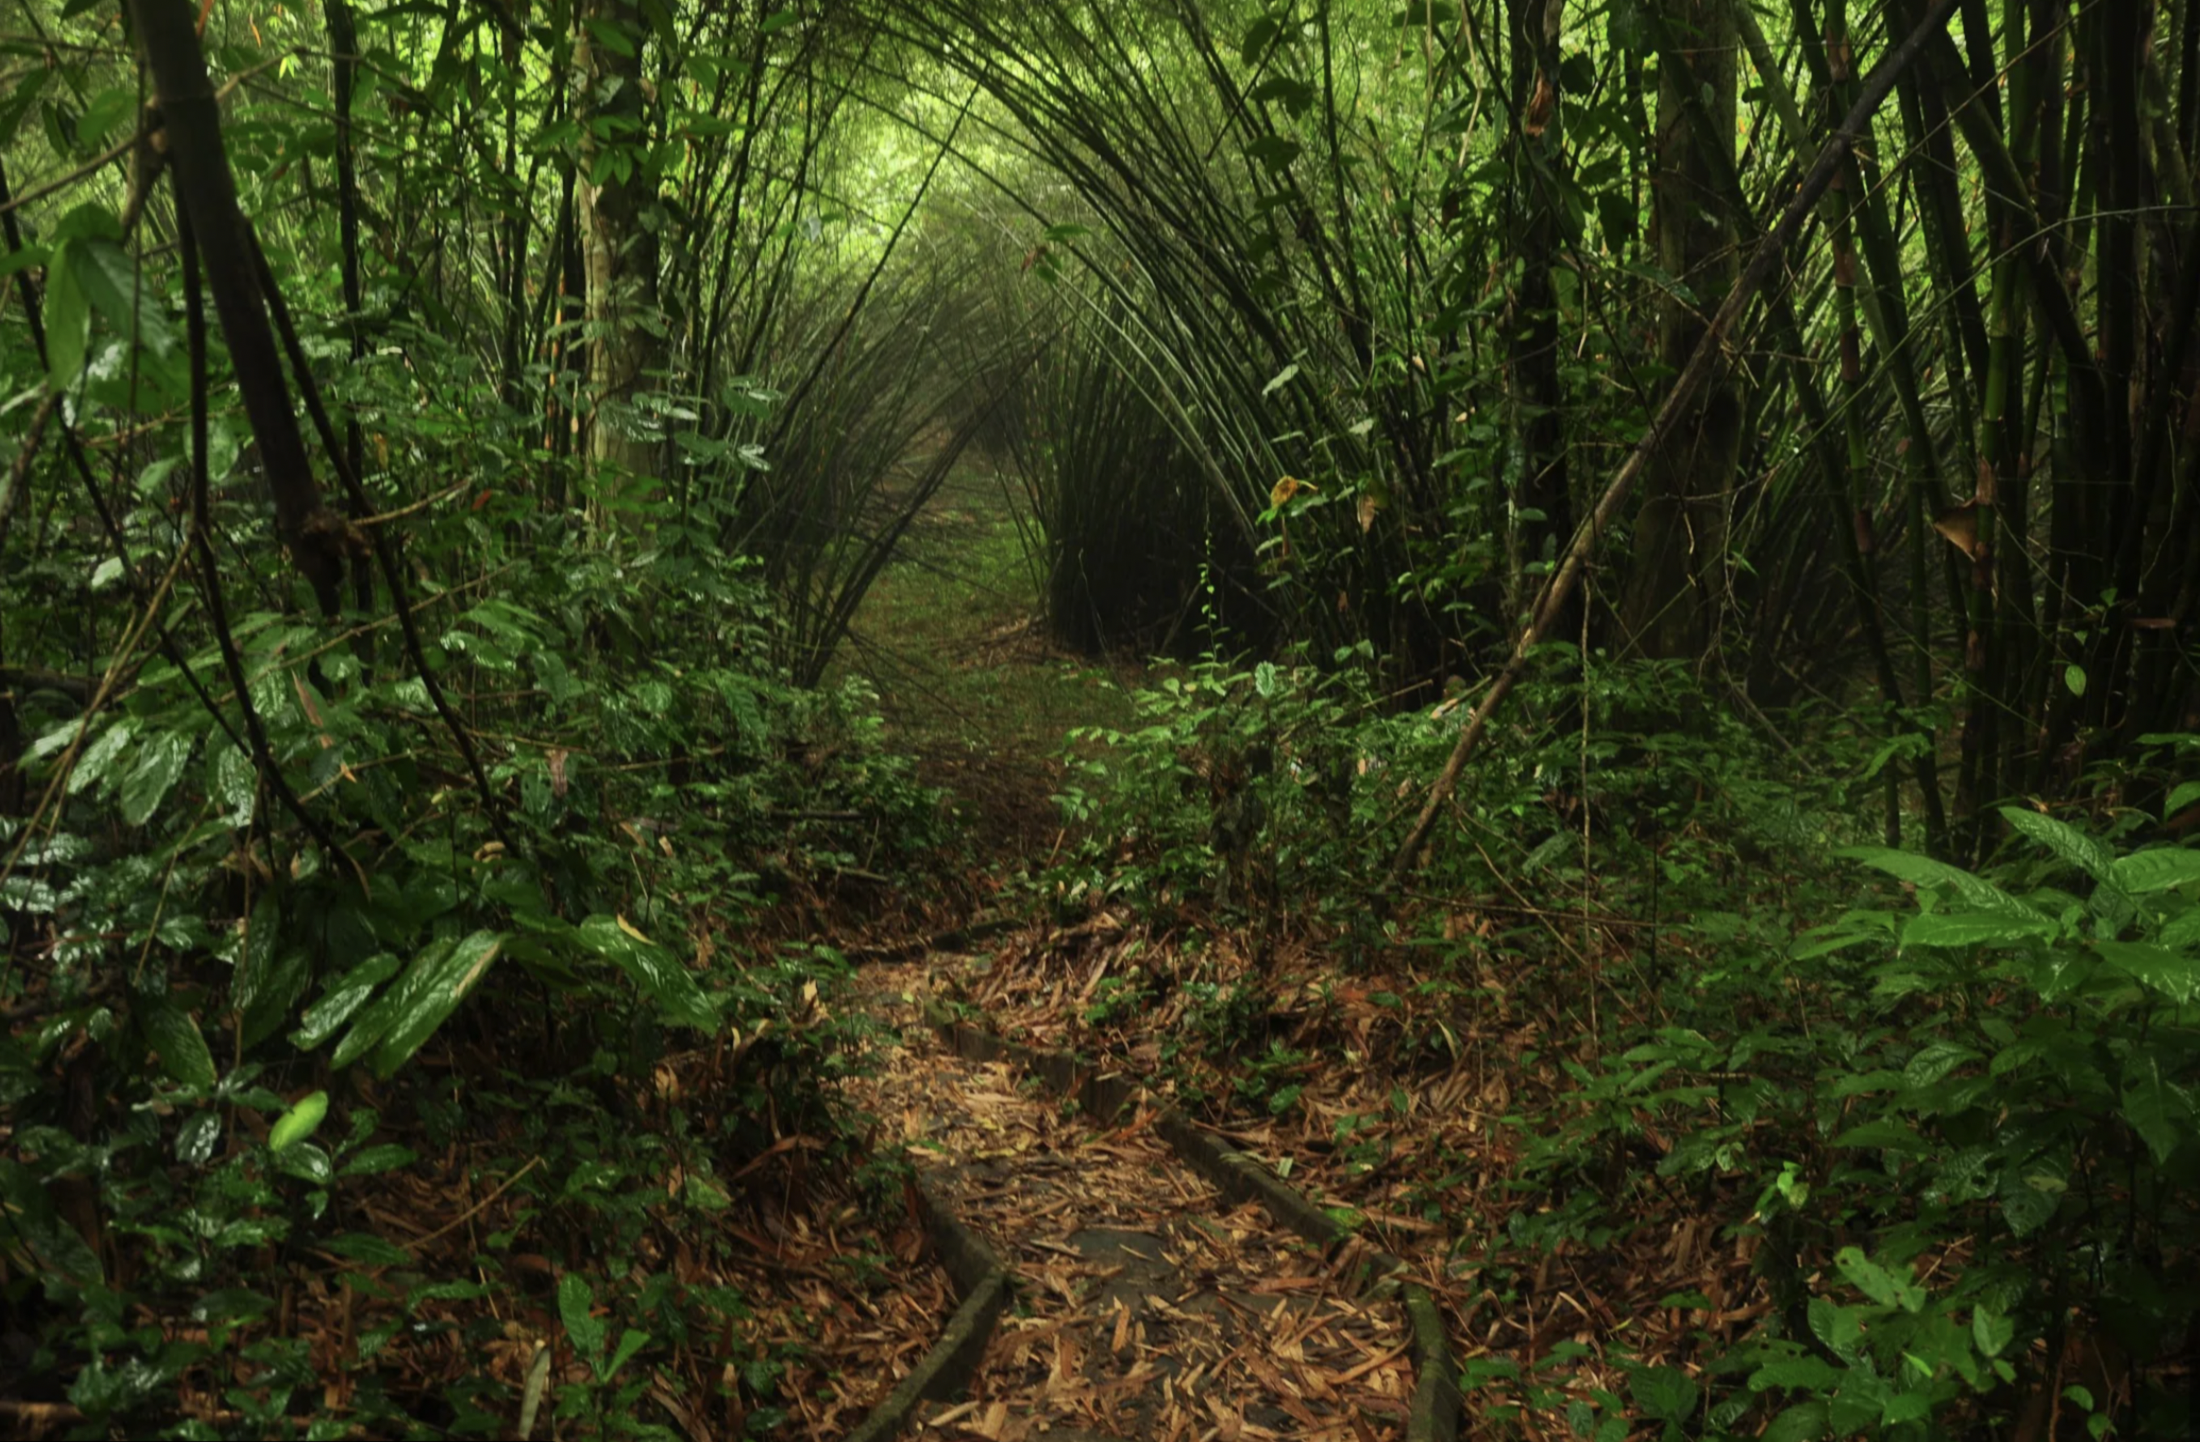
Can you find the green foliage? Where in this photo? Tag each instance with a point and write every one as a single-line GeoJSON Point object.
{"type": "Point", "coordinates": [2008, 1059]}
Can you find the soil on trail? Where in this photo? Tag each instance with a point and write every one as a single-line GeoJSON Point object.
{"type": "Point", "coordinates": [1146, 1306]}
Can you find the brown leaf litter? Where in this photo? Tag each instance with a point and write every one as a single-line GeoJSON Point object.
{"type": "Point", "coordinates": [1147, 1306]}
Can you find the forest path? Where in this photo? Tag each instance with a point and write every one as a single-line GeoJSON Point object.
{"type": "Point", "coordinates": [1145, 1305]}
{"type": "Point", "coordinates": [953, 636]}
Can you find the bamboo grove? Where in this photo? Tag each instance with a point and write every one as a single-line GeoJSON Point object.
{"type": "Point", "coordinates": [1393, 290]}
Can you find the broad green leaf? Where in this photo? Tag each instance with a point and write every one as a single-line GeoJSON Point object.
{"type": "Point", "coordinates": [375, 1021]}
{"type": "Point", "coordinates": [1991, 1332]}
{"type": "Point", "coordinates": [2182, 930]}
{"type": "Point", "coordinates": [2157, 870]}
{"type": "Point", "coordinates": [68, 319]}
{"type": "Point", "coordinates": [368, 1250]}
{"type": "Point", "coordinates": [1934, 1061]}
{"type": "Point", "coordinates": [2180, 797]}
{"type": "Point", "coordinates": [267, 991]}
{"type": "Point", "coordinates": [233, 782]}
{"type": "Point", "coordinates": [1665, 1393]}
{"type": "Point", "coordinates": [575, 1303]}
{"type": "Point", "coordinates": [373, 1161]}
{"type": "Point", "coordinates": [1923, 871]}
{"type": "Point", "coordinates": [1806, 1373]}
{"type": "Point", "coordinates": [651, 968]}
{"type": "Point", "coordinates": [100, 114]}
{"type": "Point", "coordinates": [159, 765]}
{"type": "Point", "coordinates": [1972, 928]}
{"type": "Point", "coordinates": [58, 1250]}
{"type": "Point", "coordinates": [1881, 1136]}
{"type": "Point", "coordinates": [2157, 1109]}
{"type": "Point", "coordinates": [1859, 1401]}
{"type": "Point", "coordinates": [172, 1032]}
{"type": "Point", "coordinates": [630, 1342]}
{"type": "Point", "coordinates": [111, 282]}
{"type": "Point", "coordinates": [2030, 1195]}
{"type": "Point", "coordinates": [93, 762]}
{"type": "Point", "coordinates": [2065, 841]}
{"type": "Point", "coordinates": [306, 1162]}
{"type": "Point", "coordinates": [1275, 152]}
{"type": "Point", "coordinates": [342, 1000]}
{"type": "Point", "coordinates": [300, 1122]}
{"type": "Point", "coordinates": [2174, 974]}
{"type": "Point", "coordinates": [424, 1008]}
{"type": "Point", "coordinates": [196, 1139]}
{"type": "Point", "coordinates": [1804, 1422]}
{"type": "Point", "coordinates": [1879, 1283]}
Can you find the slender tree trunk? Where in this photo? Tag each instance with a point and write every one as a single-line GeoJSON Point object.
{"type": "Point", "coordinates": [167, 33]}
{"type": "Point", "coordinates": [1669, 607]}
{"type": "Point", "coordinates": [1544, 509]}
{"type": "Point", "coordinates": [618, 247]}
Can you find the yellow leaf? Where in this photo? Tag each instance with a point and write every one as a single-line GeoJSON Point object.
{"type": "Point", "coordinates": [628, 927]}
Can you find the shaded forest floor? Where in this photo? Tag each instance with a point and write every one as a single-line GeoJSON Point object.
{"type": "Point", "coordinates": [969, 682]}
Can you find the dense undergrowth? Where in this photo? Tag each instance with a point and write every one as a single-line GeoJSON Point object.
{"type": "Point", "coordinates": [1946, 1116]}
{"type": "Point", "coordinates": [259, 1040]}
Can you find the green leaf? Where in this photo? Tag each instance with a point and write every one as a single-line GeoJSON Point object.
{"type": "Point", "coordinates": [368, 1250]}
{"type": "Point", "coordinates": [1991, 1332]}
{"type": "Point", "coordinates": [159, 766]}
{"type": "Point", "coordinates": [1923, 871]}
{"type": "Point", "coordinates": [1808, 1374]}
{"type": "Point", "coordinates": [575, 1301]}
{"type": "Point", "coordinates": [1881, 1136]}
{"type": "Point", "coordinates": [654, 970]}
{"type": "Point", "coordinates": [2066, 842]}
{"type": "Point", "coordinates": [2156, 1108]}
{"type": "Point", "coordinates": [175, 1035]}
{"type": "Point", "coordinates": [423, 1008]}
{"type": "Point", "coordinates": [1275, 152]}
{"type": "Point", "coordinates": [1877, 1282]}
{"type": "Point", "coordinates": [2156, 870]}
{"type": "Point", "coordinates": [100, 114]}
{"type": "Point", "coordinates": [1804, 1422]}
{"type": "Point", "coordinates": [630, 1342]}
{"type": "Point", "coordinates": [375, 1021]}
{"type": "Point", "coordinates": [111, 281]}
{"type": "Point", "coordinates": [2074, 679]}
{"type": "Point", "coordinates": [2181, 796]}
{"type": "Point", "coordinates": [57, 1250]}
{"type": "Point", "coordinates": [341, 1000]}
{"type": "Point", "coordinates": [266, 993]}
{"type": "Point", "coordinates": [2175, 975]}
{"type": "Point", "coordinates": [94, 760]}
{"type": "Point", "coordinates": [68, 319]}
{"type": "Point", "coordinates": [1859, 1401]}
{"type": "Point", "coordinates": [372, 1161]}
{"type": "Point", "coordinates": [1971, 928]}
{"type": "Point", "coordinates": [233, 782]}
{"type": "Point", "coordinates": [300, 1122]}
{"type": "Point", "coordinates": [306, 1162]}
{"type": "Point", "coordinates": [1934, 1061]}
{"type": "Point", "coordinates": [1665, 1393]}
{"type": "Point", "coordinates": [2030, 1196]}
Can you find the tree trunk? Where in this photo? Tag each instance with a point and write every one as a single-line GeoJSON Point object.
{"type": "Point", "coordinates": [167, 32]}
{"type": "Point", "coordinates": [618, 249]}
{"type": "Point", "coordinates": [1545, 520]}
{"type": "Point", "coordinates": [1669, 607]}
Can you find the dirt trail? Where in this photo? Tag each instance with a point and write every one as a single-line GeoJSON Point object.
{"type": "Point", "coordinates": [1146, 1306]}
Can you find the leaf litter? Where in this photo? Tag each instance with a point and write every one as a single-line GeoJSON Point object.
{"type": "Point", "coordinates": [1146, 1305]}
{"type": "Point", "coordinates": [1407, 1107]}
